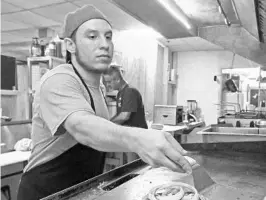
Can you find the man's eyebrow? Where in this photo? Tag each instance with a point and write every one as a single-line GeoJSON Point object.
{"type": "Point", "coordinates": [94, 30]}
{"type": "Point", "coordinates": [109, 32]}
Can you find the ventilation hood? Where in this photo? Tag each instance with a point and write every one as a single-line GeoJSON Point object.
{"type": "Point", "coordinates": [243, 37]}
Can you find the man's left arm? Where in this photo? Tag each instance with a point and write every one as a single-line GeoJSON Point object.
{"type": "Point", "coordinates": [129, 105]}
{"type": "Point", "coordinates": [121, 117]}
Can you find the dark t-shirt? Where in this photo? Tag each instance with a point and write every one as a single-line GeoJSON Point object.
{"type": "Point", "coordinates": [129, 100]}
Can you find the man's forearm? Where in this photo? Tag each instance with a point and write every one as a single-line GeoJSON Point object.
{"type": "Point", "coordinates": [120, 118]}
{"type": "Point", "coordinates": [102, 134]}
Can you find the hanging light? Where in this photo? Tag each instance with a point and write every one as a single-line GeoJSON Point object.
{"type": "Point", "coordinates": [220, 9]}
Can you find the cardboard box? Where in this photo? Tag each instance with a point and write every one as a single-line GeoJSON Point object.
{"type": "Point", "coordinates": [168, 114]}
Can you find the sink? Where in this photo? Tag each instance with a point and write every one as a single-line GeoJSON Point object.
{"type": "Point", "coordinates": [214, 134]}
{"type": "Point", "coordinates": [262, 131]}
{"type": "Point", "coordinates": [232, 130]}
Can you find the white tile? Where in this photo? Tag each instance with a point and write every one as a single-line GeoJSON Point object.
{"type": "Point", "coordinates": [8, 38]}
{"type": "Point", "coordinates": [27, 17]}
{"type": "Point", "coordinates": [6, 7]}
{"type": "Point", "coordinates": [6, 25]}
{"type": "Point", "coordinates": [28, 4]}
{"type": "Point", "coordinates": [118, 18]}
{"type": "Point", "coordinates": [56, 12]}
{"type": "Point", "coordinates": [26, 33]}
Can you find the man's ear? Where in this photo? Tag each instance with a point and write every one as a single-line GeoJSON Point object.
{"type": "Point", "coordinates": [70, 45]}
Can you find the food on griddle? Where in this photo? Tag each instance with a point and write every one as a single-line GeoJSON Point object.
{"type": "Point", "coordinates": [173, 191]}
{"type": "Point", "coordinates": [169, 192]}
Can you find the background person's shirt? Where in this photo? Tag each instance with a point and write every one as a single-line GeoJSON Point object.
{"type": "Point", "coordinates": [60, 94]}
{"type": "Point", "coordinates": [129, 100]}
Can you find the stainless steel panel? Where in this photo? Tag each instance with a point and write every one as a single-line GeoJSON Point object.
{"type": "Point", "coordinates": [238, 40]}
{"type": "Point", "coordinates": [247, 14]}
{"type": "Point", "coordinates": [153, 14]}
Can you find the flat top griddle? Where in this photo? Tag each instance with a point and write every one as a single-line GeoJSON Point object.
{"type": "Point", "coordinates": [217, 176]}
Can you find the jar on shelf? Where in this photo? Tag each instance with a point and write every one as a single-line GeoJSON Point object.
{"type": "Point", "coordinates": [43, 46]}
{"type": "Point", "coordinates": [52, 48]}
{"type": "Point", "coordinates": [58, 47]}
{"type": "Point", "coordinates": [35, 49]}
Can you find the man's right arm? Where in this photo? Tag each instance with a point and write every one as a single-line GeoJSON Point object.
{"type": "Point", "coordinates": [97, 132]}
{"type": "Point", "coordinates": [63, 106]}
{"type": "Point", "coordinates": [156, 148]}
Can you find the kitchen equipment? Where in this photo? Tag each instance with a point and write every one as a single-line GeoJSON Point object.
{"type": "Point", "coordinates": [52, 48]}
{"type": "Point", "coordinates": [168, 114]}
{"type": "Point", "coordinates": [35, 49]}
{"type": "Point", "coordinates": [192, 106]}
{"type": "Point", "coordinates": [260, 123]}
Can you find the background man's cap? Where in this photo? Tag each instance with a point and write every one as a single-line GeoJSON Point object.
{"type": "Point", "coordinates": [76, 18]}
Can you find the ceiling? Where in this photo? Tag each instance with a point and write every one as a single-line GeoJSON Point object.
{"type": "Point", "coordinates": [204, 16]}
{"type": "Point", "coordinates": [22, 20]}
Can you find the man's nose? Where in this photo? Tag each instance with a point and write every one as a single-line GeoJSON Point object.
{"type": "Point", "coordinates": [104, 44]}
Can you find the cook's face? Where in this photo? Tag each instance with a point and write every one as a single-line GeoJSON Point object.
{"type": "Point", "coordinates": [107, 82]}
{"type": "Point", "coordinates": [114, 82]}
{"type": "Point", "coordinates": [94, 46]}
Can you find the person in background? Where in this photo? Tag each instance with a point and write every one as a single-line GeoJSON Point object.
{"type": "Point", "coordinates": [71, 130]}
{"type": "Point", "coordinates": [129, 105]}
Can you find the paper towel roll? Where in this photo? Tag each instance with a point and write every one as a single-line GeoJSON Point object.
{"type": "Point", "coordinates": [173, 74]}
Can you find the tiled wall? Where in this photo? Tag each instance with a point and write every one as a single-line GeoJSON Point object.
{"type": "Point", "coordinates": [139, 60]}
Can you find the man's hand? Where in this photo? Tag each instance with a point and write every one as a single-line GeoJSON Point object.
{"type": "Point", "coordinates": [158, 148]}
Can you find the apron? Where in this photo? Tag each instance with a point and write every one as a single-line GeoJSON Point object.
{"type": "Point", "coordinates": [76, 165]}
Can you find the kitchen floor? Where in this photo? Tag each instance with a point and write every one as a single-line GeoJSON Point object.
{"type": "Point", "coordinates": [244, 171]}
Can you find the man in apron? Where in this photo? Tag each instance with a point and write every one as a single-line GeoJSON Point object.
{"type": "Point", "coordinates": [70, 126]}
{"type": "Point", "coordinates": [129, 105]}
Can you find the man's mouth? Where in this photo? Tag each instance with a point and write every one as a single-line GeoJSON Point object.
{"type": "Point", "coordinates": [103, 56]}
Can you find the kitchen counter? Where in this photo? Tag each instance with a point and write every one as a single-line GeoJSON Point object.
{"type": "Point", "coordinates": [12, 165]}
{"type": "Point", "coordinates": [13, 157]}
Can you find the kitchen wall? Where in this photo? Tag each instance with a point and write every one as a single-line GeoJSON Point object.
{"type": "Point", "coordinates": [138, 52]}
{"type": "Point", "coordinates": [196, 70]}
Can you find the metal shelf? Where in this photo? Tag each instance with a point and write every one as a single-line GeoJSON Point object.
{"type": "Point", "coordinates": [9, 92]}
{"type": "Point", "coordinates": [52, 62]}
{"type": "Point", "coordinates": [44, 58]}
{"type": "Point", "coordinates": [49, 59]}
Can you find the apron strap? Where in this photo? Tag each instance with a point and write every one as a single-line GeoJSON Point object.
{"type": "Point", "coordinates": [84, 84]}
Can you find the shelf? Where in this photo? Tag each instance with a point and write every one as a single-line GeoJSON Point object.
{"type": "Point", "coordinates": [45, 58]}
{"type": "Point", "coordinates": [9, 92]}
